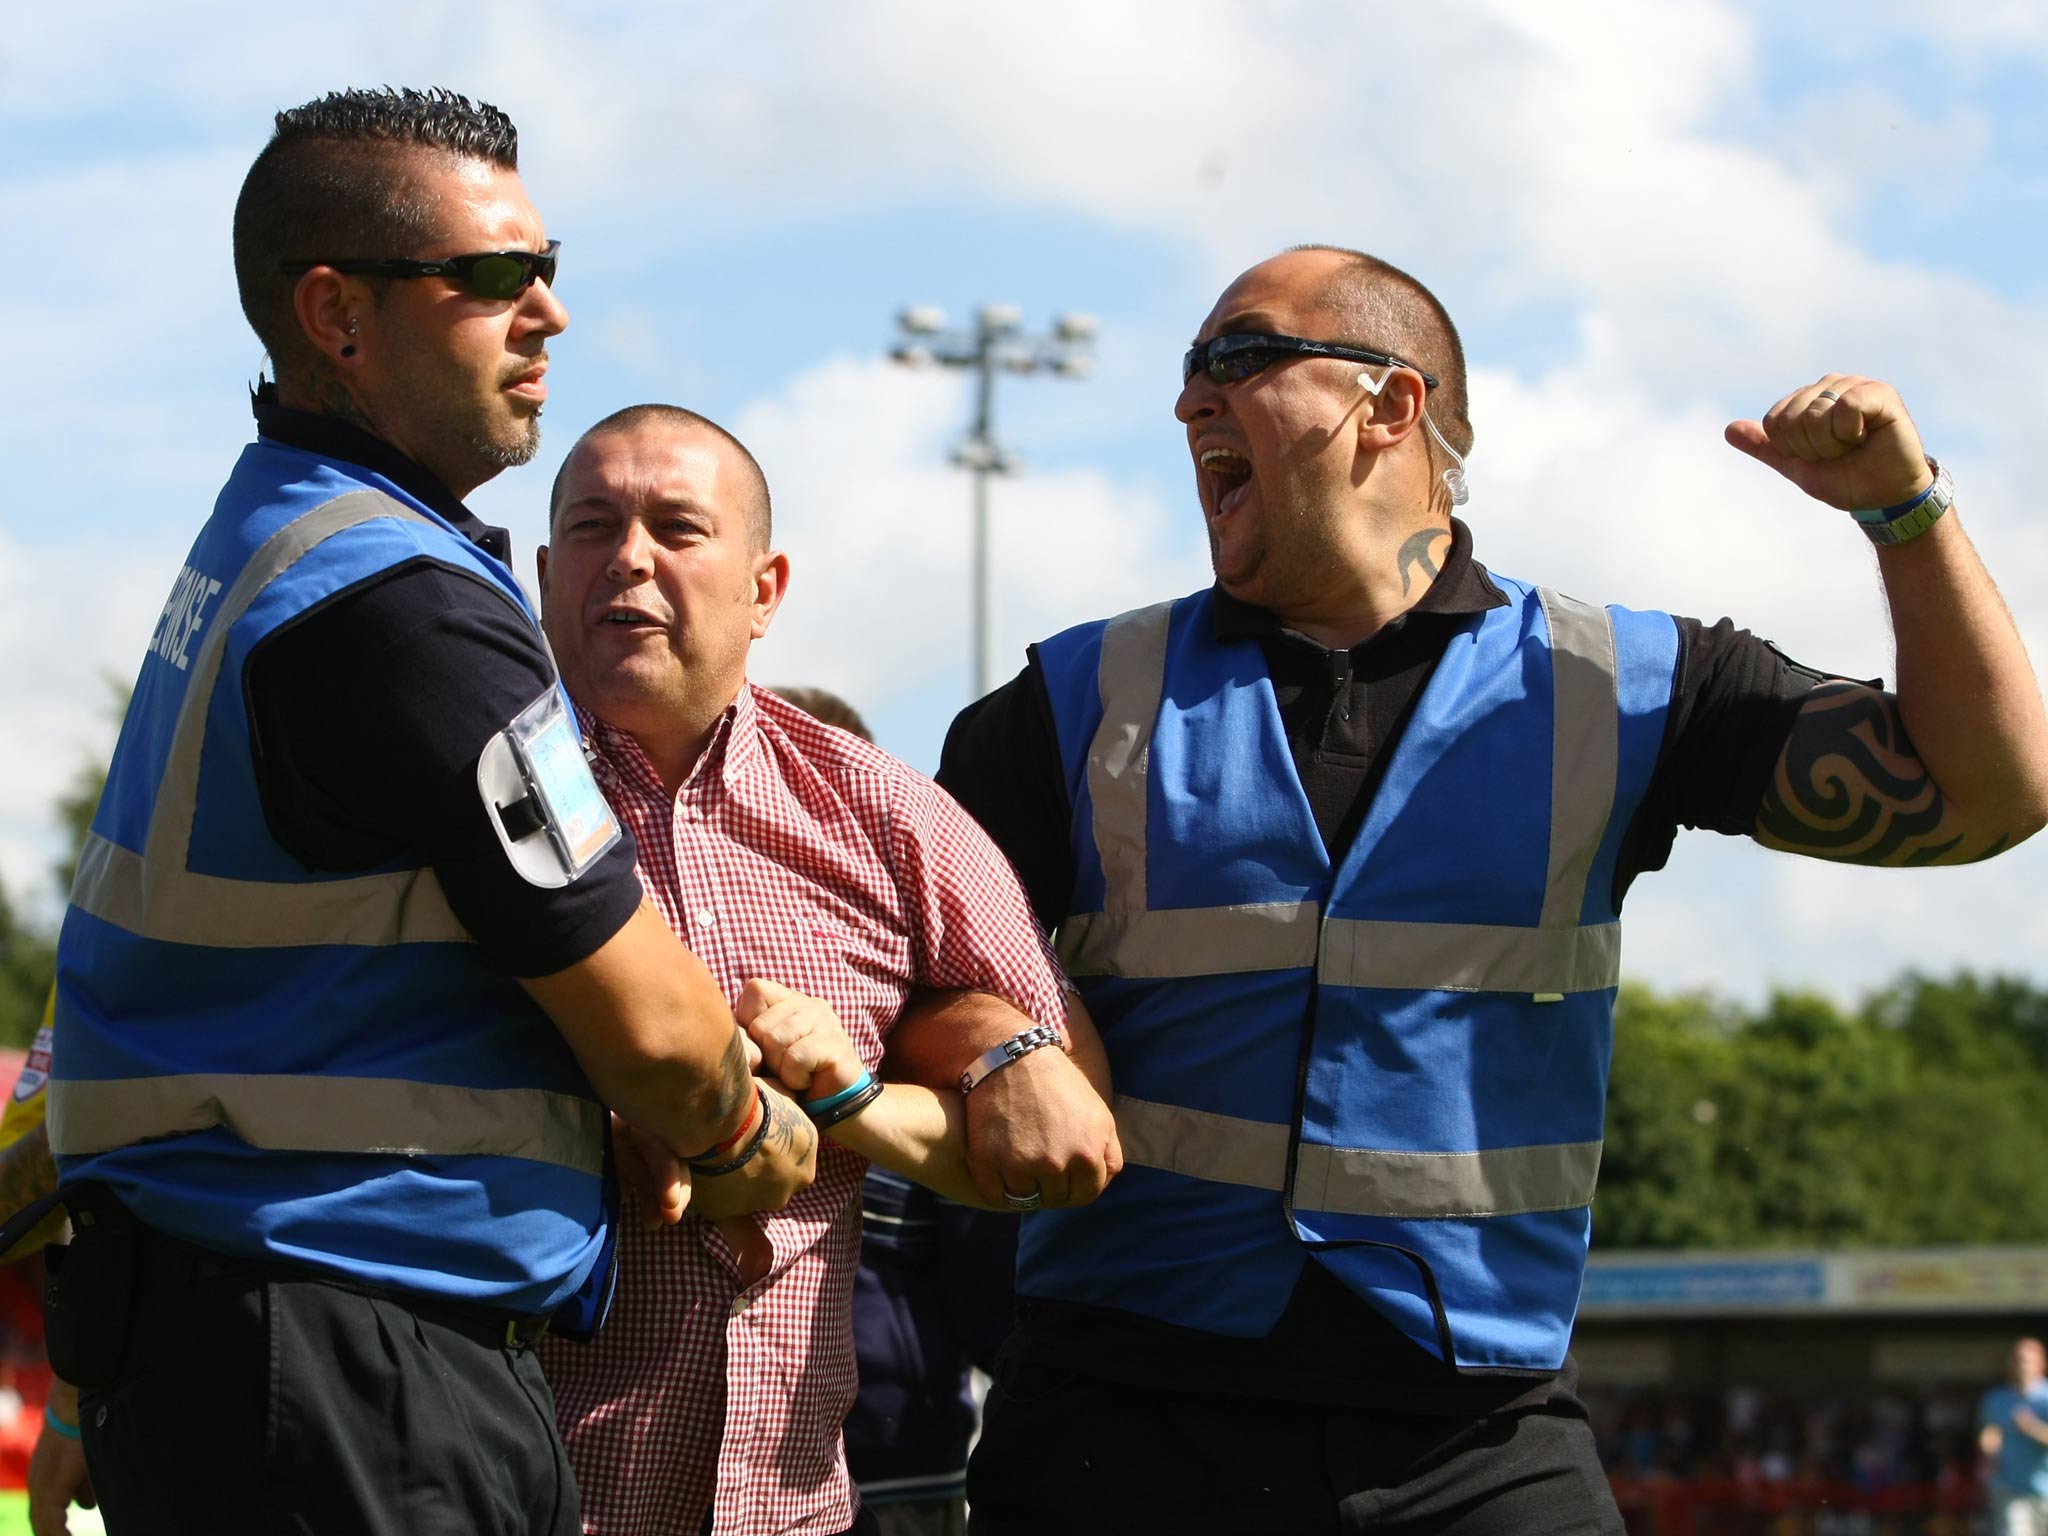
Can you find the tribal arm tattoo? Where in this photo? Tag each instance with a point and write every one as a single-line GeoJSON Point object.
{"type": "Point", "coordinates": [1850, 786]}
{"type": "Point", "coordinates": [1419, 550]}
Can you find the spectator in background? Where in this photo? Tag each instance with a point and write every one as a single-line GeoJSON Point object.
{"type": "Point", "coordinates": [932, 1300]}
{"type": "Point", "coordinates": [2012, 1429]}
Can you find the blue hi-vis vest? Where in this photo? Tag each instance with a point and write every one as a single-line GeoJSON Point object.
{"type": "Point", "coordinates": [280, 1063]}
{"type": "Point", "coordinates": [1398, 1065]}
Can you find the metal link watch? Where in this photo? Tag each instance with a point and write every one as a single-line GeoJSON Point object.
{"type": "Point", "coordinates": [1886, 526]}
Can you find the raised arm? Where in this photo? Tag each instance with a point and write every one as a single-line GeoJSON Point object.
{"type": "Point", "coordinates": [1953, 767]}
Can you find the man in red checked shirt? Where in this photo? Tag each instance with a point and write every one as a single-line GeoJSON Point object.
{"type": "Point", "coordinates": [780, 847]}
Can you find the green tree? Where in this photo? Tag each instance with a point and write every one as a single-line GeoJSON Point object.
{"type": "Point", "coordinates": [28, 964]}
{"type": "Point", "coordinates": [1916, 1118]}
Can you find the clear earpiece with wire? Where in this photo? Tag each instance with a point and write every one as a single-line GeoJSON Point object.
{"type": "Point", "coordinates": [1454, 477]}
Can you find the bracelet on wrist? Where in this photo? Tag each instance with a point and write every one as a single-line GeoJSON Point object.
{"type": "Point", "coordinates": [1020, 1045]}
{"type": "Point", "coordinates": [68, 1430]}
{"type": "Point", "coordinates": [710, 1170]}
{"type": "Point", "coordinates": [816, 1107]}
{"type": "Point", "coordinates": [846, 1106]}
{"type": "Point", "coordinates": [1907, 520]}
{"type": "Point", "coordinates": [713, 1154]}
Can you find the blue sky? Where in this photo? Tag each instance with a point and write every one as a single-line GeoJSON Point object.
{"type": "Point", "coordinates": [1647, 218]}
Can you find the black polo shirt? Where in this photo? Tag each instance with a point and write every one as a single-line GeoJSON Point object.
{"type": "Point", "coordinates": [368, 712]}
{"type": "Point", "coordinates": [1733, 703]}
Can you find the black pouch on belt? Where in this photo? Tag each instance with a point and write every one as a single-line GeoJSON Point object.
{"type": "Point", "coordinates": [89, 1289]}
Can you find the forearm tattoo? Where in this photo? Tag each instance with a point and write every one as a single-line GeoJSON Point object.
{"type": "Point", "coordinates": [1419, 550]}
{"type": "Point", "coordinates": [1850, 786]}
{"type": "Point", "coordinates": [789, 1136]}
{"type": "Point", "coordinates": [735, 1079]}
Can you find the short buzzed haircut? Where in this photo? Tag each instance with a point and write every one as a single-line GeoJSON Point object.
{"type": "Point", "coordinates": [760, 513]}
{"type": "Point", "coordinates": [1379, 306]}
{"type": "Point", "coordinates": [338, 181]}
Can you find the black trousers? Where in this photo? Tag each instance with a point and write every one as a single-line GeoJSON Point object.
{"type": "Point", "coordinates": [259, 1401]}
{"type": "Point", "coordinates": [1078, 1455]}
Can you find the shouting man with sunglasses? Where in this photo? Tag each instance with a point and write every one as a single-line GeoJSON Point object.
{"type": "Point", "coordinates": [1336, 850]}
{"type": "Point", "coordinates": [356, 957]}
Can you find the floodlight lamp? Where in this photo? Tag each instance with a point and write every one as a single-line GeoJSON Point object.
{"type": "Point", "coordinates": [1072, 327]}
{"type": "Point", "coordinates": [998, 318]}
{"type": "Point", "coordinates": [922, 320]}
{"type": "Point", "coordinates": [1075, 365]}
{"type": "Point", "coordinates": [912, 357]}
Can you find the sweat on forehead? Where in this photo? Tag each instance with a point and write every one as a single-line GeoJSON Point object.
{"type": "Point", "coordinates": [675, 418]}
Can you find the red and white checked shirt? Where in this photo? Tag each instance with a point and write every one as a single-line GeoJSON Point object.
{"type": "Point", "coordinates": [799, 853]}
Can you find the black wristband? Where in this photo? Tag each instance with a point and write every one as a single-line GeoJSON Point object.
{"type": "Point", "coordinates": [746, 1153]}
{"type": "Point", "coordinates": [850, 1108]}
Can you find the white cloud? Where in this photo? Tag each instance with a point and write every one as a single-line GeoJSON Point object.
{"type": "Point", "coordinates": [1564, 160]}
{"type": "Point", "coordinates": [877, 527]}
{"type": "Point", "coordinates": [72, 617]}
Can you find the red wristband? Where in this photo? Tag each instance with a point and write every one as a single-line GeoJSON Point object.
{"type": "Point", "coordinates": [712, 1154]}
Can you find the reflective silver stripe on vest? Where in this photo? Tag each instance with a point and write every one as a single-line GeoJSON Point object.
{"type": "Point", "coordinates": [1131, 677]}
{"type": "Point", "coordinates": [1469, 957]}
{"type": "Point", "coordinates": [1200, 941]}
{"type": "Point", "coordinates": [1357, 1181]}
{"type": "Point", "coordinates": [1585, 749]}
{"type": "Point", "coordinates": [1501, 1181]}
{"type": "Point", "coordinates": [155, 896]}
{"type": "Point", "coordinates": [1557, 956]}
{"type": "Point", "coordinates": [1219, 1148]}
{"type": "Point", "coordinates": [331, 1114]}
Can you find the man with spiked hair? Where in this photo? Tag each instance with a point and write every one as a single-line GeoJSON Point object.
{"type": "Point", "coordinates": [1336, 850]}
{"type": "Point", "coordinates": [356, 957]}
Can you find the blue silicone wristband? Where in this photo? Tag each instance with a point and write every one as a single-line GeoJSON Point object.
{"type": "Point", "coordinates": [68, 1431]}
{"type": "Point", "coordinates": [1894, 513]}
{"type": "Point", "coordinates": [826, 1105]}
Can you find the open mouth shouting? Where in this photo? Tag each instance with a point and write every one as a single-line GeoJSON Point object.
{"type": "Point", "coordinates": [1229, 476]}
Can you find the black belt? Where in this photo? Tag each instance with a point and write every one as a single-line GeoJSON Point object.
{"type": "Point", "coordinates": [164, 1263]}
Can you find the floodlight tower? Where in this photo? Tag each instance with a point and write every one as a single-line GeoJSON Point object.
{"type": "Point", "coordinates": [997, 341]}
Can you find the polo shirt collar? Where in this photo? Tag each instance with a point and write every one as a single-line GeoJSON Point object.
{"type": "Point", "coordinates": [333, 438]}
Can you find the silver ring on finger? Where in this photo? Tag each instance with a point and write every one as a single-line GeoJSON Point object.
{"type": "Point", "coordinates": [1827, 394]}
{"type": "Point", "coordinates": [1030, 1202]}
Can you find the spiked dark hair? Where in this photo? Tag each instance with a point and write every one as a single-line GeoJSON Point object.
{"type": "Point", "coordinates": [335, 181]}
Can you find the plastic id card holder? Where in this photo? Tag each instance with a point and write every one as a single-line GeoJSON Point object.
{"type": "Point", "coordinates": [545, 807]}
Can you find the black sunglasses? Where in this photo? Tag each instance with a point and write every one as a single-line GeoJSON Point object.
{"type": "Point", "coordinates": [1227, 359]}
{"type": "Point", "coordinates": [488, 275]}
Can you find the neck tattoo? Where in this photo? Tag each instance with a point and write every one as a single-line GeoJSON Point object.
{"type": "Point", "coordinates": [1419, 550]}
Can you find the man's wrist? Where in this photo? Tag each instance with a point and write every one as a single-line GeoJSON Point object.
{"type": "Point", "coordinates": [1014, 1049]}
{"type": "Point", "coordinates": [1906, 520]}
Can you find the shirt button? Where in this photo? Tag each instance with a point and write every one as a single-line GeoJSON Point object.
{"type": "Point", "coordinates": [740, 1304]}
{"type": "Point", "coordinates": [706, 917]}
